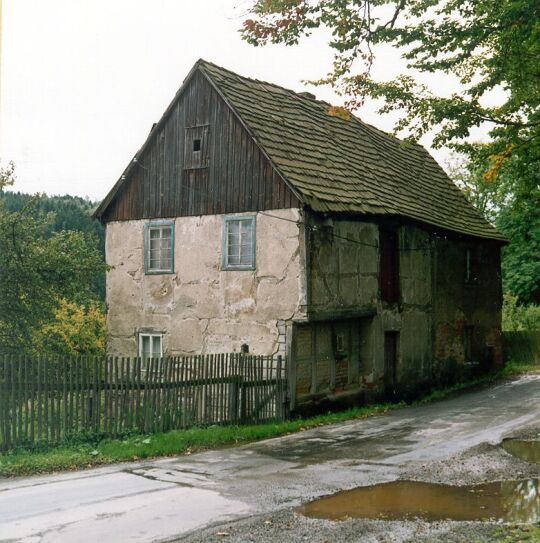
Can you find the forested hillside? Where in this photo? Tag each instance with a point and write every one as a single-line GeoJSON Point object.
{"type": "Point", "coordinates": [65, 213]}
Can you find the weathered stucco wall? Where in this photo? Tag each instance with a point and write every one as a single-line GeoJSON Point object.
{"type": "Point", "coordinates": [200, 308]}
{"type": "Point", "coordinates": [458, 303]}
{"type": "Point", "coordinates": [344, 265]}
{"type": "Point", "coordinates": [435, 305]}
{"type": "Point", "coordinates": [411, 317]}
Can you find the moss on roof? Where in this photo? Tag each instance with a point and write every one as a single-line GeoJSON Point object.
{"type": "Point", "coordinates": [339, 164]}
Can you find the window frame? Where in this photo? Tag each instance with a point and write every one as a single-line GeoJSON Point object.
{"type": "Point", "coordinates": [151, 335]}
{"type": "Point", "coordinates": [196, 159]}
{"type": "Point", "coordinates": [151, 225]}
{"type": "Point", "coordinates": [225, 266]}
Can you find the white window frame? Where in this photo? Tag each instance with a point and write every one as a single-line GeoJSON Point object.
{"type": "Point", "coordinates": [152, 336]}
{"type": "Point", "coordinates": [225, 265]}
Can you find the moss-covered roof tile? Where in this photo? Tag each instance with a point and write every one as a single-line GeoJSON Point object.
{"type": "Point", "coordinates": [345, 165]}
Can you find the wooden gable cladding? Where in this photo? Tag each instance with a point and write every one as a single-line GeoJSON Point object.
{"type": "Point", "coordinates": [229, 174]}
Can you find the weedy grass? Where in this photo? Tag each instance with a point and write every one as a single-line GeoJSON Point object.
{"type": "Point", "coordinates": [519, 533]}
{"type": "Point", "coordinates": [511, 369]}
{"type": "Point", "coordinates": [78, 455]}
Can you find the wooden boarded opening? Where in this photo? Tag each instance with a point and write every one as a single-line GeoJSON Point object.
{"type": "Point", "coordinates": [330, 357]}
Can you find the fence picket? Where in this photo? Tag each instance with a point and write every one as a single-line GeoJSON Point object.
{"type": "Point", "coordinates": [182, 392]}
{"type": "Point", "coordinates": [4, 403]}
{"type": "Point", "coordinates": [3, 396]}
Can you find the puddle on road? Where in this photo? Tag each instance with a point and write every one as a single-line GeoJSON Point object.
{"type": "Point", "coordinates": [512, 501]}
{"type": "Point", "coordinates": [528, 450]}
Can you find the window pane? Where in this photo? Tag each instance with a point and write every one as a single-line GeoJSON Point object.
{"type": "Point", "coordinates": [247, 229]}
{"type": "Point", "coordinates": [239, 242]}
{"type": "Point", "coordinates": [234, 228]}
{"type": "Point", "coordinates": [245, 255]}
{"type": "Point", "coordinates": [160, 248]}
{"type": "Point", "coordinates": [156, 346]}
{"type": "Point", "coordinates": [234, 249]}
{"type": "Point", "coordinates": [145, 346]}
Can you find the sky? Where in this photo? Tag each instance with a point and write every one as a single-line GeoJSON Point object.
{"type": "Point", "coordinates": [82, 81]}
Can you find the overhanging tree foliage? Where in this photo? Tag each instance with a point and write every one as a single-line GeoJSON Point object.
{"type": "Point", "coordinates": [492, 49]}
{"type": "Point", "coordinates": [486, 44]}
{"type": "Point", "coordinates": [511, 201]}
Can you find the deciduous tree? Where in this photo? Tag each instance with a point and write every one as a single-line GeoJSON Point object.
{"type": "Point", "coordinates": [37, 270]}
{"type": "Point", "coordinates": [491, 48]}
{"type": "Point", "coordinates": [486, 45]}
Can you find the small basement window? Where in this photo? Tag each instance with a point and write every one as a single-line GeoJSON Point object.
{"type": "Point", "coordinates": [196, 147]}
{"type": "Point", "coordinates": [238, 243]}
{"type": "Point", "coordinates": [159, 247]}
{"type": "Point", "coordinates": [150, 346]}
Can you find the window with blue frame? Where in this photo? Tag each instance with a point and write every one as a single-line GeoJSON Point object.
{"type": "Point", "coordinates": [238, 243]}
{"type": "Point", "coordinates": [159, 247]}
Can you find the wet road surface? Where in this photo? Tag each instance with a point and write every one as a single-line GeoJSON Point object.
{"type": "Point", "coordinates": [164, 499]}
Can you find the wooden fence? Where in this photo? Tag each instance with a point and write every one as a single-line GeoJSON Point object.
{"type": "Point", "coordinates": [49, 400]}
{"type": "Point", "coordinates": [523, 346]}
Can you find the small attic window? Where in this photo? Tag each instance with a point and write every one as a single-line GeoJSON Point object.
{"type": "Point", "coordinates": [196, 147]}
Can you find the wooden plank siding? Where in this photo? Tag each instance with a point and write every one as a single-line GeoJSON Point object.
{"type": "Point", "coordinates": [238, 177]}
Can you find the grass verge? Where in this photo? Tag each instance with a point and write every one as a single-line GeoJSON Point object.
{"type": "Point", "coordinates": [177, 442]}
{"type": "Point", "coordinates": [517, 534]}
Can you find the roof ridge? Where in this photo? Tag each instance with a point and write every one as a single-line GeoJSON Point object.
{"type": "Point", "coordinates": [259, 81]}
{"type": "Point", "coordinates": [357, 118]}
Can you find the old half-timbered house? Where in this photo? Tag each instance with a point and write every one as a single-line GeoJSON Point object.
{"type": "Point", "coordinates": [260, 218]}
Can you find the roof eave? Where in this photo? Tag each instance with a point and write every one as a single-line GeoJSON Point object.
{"type": "Point", "coordinates": [100, 210]}
{"type": "Point", "coordinates": [319, 206]}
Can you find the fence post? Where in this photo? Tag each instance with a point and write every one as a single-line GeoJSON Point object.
{"type": "Point", "coordinates": [3, 396]}
{"type": "Point", "coordinates": [281, 383]}
{"type": "Point", "coordinates": [243, 391]}
{"type": "Point", "coordinates": [90, 415]}
{"type": "Point", "coordinates": [233, 390]}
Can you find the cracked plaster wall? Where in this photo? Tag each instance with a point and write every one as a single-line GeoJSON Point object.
{"type": "Point", "coordinates": [200, 308]}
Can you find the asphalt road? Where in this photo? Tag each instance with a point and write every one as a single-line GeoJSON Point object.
{"type": "Point", "coordinates": [168, 499]}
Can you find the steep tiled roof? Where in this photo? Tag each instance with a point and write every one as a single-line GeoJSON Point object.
{"type": "Point", "coordinates": [343, 165]}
